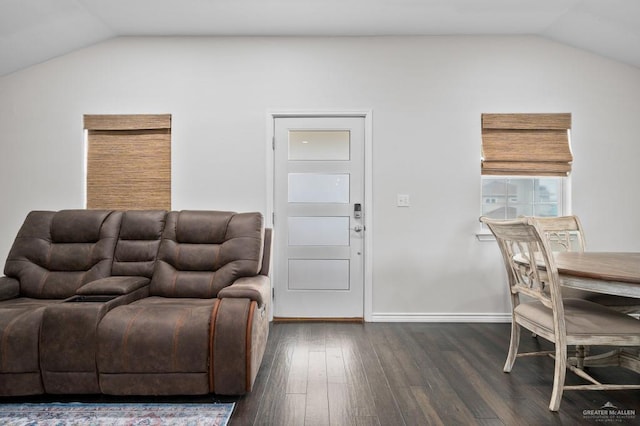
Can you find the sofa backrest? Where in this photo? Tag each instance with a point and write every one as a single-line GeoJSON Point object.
{"type": "Point", "coordinates": [55, 253]}
{"type": "Point", "coordinates": [202, 252]}
{"type": "Point", "coordinates": [138, 242]}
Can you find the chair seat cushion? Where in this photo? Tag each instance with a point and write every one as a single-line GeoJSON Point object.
{"type": "Point", "coordinates": [619, 303]}
{"type": "Point", "coordinates": [582, 318]}
{"type": "Point", "coordinates": [156, 335]}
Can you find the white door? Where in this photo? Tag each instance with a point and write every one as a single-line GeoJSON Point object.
{"type": "Point", "coordinates": [319, 217]}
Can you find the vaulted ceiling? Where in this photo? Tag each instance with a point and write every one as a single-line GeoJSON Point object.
{"type": "Point", "coordinates": [33, 31]}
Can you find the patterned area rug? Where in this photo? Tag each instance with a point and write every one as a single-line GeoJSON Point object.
{"type": "Point", "coordinates": [115, 414]}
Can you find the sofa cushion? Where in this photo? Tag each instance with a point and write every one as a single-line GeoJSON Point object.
{"type": "Point", "coordinates": [51, 261]}
{"type": "Point", "coordinates": [202, 227]}
{"type": "Point", "coordinates": [77, 226]}
{"type": "Point", "coordinates": [156, 335]}
{"type": "Point", "coordinates": [204, 251]}
{"type": "Point", "coordinates": [19, 333]}
{"type": "Point", "coordinates": [9, 288]}
{"type": "Point", "coordinates": [138, 242]}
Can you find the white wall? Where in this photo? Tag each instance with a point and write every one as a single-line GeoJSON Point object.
{"type": "Point", "coordinates": [426, 94]}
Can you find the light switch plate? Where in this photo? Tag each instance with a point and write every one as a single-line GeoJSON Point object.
{"type": "Point", "coordinates": [403, 200]}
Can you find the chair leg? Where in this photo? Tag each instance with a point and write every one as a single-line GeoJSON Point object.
{"type": "Point", "coordinates": [580, 354]}
{"type": "Point", "coordinates": [559, 375]}
{"type": "Point", "coordinates": [513, 346]}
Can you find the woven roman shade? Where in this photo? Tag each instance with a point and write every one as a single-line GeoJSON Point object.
{"type": "Point", "coordinates": [128, 161]}
{"type": "Point", "coordinates": [526, 144]}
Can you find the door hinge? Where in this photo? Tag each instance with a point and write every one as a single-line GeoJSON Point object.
{"type": "Point", "coordinates": [273, 143]}
{"type": "Point", "coordinates": [273, 293]}
{"type": "Point", "coordinates": [273, 218]}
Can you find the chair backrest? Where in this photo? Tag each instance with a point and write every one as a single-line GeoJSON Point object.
{"type": "Point", "coordinates": [531, 269]}
{"type": "Point", "coordinates": [55, 253]}
{"type": "Point", "coordinates": [563, 233]}
{"type": "Point", "coordinates": [202, 252]}
{"type": "Point", "coordinates": [138, 242]}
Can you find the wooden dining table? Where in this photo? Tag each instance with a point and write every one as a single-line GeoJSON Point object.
{"type": "Point", "coordinates": [614, 273]}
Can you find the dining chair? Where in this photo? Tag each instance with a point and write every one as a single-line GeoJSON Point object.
{"type": "Point", "coordinates": [565, 233]}
{"type": "Point", "coordinates": [563, 322]}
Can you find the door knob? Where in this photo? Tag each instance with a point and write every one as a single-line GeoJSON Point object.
{"type": "Point", "coordinates": [358, 228]}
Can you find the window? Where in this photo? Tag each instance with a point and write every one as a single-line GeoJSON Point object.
{"type": "Point", "coordinates": [526, 160]}
{"type": "Point", "coordinates": [128, 161]}
{"type": "Point", "coordinates": [510, 197]}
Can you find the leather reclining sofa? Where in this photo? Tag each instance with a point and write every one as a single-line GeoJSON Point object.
{"type": "Point", "coordinates": [135, 303]}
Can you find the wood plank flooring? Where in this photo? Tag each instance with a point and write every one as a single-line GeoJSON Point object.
{"type": "Point", "coordinates": [391, 374]}
{"type": "Point", "coordinates": [396, 374]}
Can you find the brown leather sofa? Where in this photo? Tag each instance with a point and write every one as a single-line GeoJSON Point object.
{"type": "Point", "coordinates": [135, 303]}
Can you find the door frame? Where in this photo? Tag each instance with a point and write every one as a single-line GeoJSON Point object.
{"type": "Point", "coordinates": [368, 188]}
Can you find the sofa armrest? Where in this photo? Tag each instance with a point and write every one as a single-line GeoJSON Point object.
{"type": "Point", "coordinates": [9, 288]}
{"type": "Point", "coordinates": [239, 334]}
{"type": "Point", "coordinates": [256, 288]}
{"type": "Point", "coordinates": [113, 285]}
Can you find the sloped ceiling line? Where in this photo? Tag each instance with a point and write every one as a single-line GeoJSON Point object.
{"type": "Point", "coordinates": [33, 31]}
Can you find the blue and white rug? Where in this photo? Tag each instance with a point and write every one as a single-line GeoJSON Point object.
{"type": "Point", "coordinates": [116, 414]}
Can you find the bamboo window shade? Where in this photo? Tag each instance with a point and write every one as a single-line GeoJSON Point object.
{"type": "Point", "coordinates": [128, 161]}
{"type": "Point", "coordinates": [526, 144]}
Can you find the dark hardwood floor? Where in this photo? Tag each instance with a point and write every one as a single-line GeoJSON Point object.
{"type": "Point", "coordinates": [393, 374]}
{"type": "Point", "coordinates": [414, 374]}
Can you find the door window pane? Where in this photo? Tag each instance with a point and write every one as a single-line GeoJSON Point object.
{"type": "Point", "coordinates": [318, 274]}
{"type": "Point", "coordinates": [319, 145]}
{"type": "Point", "coordinates": [318, 231]}
{"type": "Point", "coordinates": [318, 188]}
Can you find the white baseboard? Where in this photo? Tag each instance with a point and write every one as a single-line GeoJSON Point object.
{"type": "Point", "coordinates": [428, 317]}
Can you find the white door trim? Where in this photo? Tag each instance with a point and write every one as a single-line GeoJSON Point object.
{"type": "Point", "coordinates": [368, 187]}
